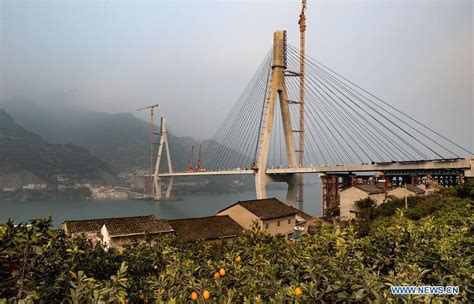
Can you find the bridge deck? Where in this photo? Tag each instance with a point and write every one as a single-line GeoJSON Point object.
{"type": "Point", "coordinates": [460, 164]}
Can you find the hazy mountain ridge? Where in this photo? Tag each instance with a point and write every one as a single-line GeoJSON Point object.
{"type": "Point", "coordinates": [121, 140]}
{"type": "Point", "coordinates": [27, 158]}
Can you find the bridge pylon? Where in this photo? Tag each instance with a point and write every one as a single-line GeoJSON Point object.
{"type": "Point", "coordinates": [157, 180]}
{"type": "Point", "coordinates": [277, 89]}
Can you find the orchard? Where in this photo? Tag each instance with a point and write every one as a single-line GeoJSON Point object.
{"type": "Point", "coordinates": [335, 265]}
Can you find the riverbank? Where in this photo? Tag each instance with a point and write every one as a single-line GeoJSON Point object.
{"type": "Point", "coordinates": [192, 205]}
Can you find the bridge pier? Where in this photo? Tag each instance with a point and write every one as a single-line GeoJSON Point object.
{"type": "Point", "coordinates": [262, 180]}
{"type": "Point", "coordinates": [158, 180]}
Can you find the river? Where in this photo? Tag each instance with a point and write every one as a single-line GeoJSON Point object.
{"type": "Point", "coordinates": [192, 205]}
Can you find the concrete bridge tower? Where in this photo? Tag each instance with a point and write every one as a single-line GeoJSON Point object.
{"type": "Point", "coordinates": [157, 180]}
{"type": "Point", "coordinates": [277, 90]}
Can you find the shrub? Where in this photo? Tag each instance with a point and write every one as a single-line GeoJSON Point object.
{"type": "Point", "coordinates": [333, 265]}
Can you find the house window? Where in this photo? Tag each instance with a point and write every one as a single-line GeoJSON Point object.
{"type": "Point", "coordinates": [289, 221]}
{"type": "Point", "coordinates": [278, 223]}
{"type": "Point", "coordinates": [266, 225]}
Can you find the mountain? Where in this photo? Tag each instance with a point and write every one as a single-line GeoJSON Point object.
{"type": "Point", "coordinates": [121, 140]}
{"type": "Point", "coordinates": [27, 158]}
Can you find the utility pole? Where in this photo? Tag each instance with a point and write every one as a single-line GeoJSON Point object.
{"type": "Point", "coordinates": [406, 198]}
{"type": "Point", "coordinates": [152, 108]}
{"type": "Point", "coordinates": [302, 24]}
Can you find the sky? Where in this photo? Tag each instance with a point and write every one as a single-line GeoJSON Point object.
{"type": "Point", "coordinates": [194, 58]}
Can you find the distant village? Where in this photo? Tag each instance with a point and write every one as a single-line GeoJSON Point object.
{"type": "Point", "coordinates": [132, 187]}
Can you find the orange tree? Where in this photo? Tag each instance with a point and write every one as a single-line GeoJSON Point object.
{"type": "Point", "coordinates": [333, 265]}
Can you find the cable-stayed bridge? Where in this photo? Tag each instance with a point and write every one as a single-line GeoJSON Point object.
{"type": "Point", "coordinates": [345, 130]}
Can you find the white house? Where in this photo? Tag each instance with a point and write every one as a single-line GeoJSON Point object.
{"type": "Point", "coordinates": [349, 196]}
{"type": "Point", "coordinates": [132, 229]}
{"type": "Point", "coordinates": [272, 215]}
{"type": "Point", "coordinates": [116, 232]}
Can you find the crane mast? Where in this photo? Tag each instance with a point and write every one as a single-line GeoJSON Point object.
{"type": "Point", "coordinates": [152, 108]}
{"type": "Point", "coordinates": [198, 162]}
{"type": "Point", "coordinates": [190, 160]}
{"type": "Point", "coordinates": [302, 24]}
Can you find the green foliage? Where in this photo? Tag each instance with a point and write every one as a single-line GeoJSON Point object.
{"type": "Point", "coordinates": [366, 214]}
{"type": "Point", "coordinates": [465, 190]}
{"type": "Point", "coordinates": [333, 265]}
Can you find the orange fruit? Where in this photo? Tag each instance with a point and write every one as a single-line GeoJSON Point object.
{"type": "Point", "coordinates": [194, 296]}
{"type": "Point", "coordinates": [238, 258]}
{"type": "Point", "coordinates": [222, 272]}
{"type": "Point", "coordinates": [206, 295]}
{"type": "Point", "coordinates": [298, 291]}
{"type": "Point", "coordinates": [216, 276]}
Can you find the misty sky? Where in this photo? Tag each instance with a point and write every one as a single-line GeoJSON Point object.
{"type": "Point", "coordinates": [195, 57]}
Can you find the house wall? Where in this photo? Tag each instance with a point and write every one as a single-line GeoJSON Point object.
{"type": "Point", "coordinates": [348, 198]}
{"type": "Point", "coordinates": [118, 242]}
{"type": "Point", "coordinates": [242, 216]}
{"type": "Point", "coordinates": [105, 236]}
{"type": "Point", "coordinates": [304, 223]}
{"type": "Point", "coordinates": [91, 235]}
{"type": "Point", "coordinates": [284, 228]}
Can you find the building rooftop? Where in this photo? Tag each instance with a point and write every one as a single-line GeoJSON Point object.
{"type": "Point", "coordinates": [370, 189]}
{"type": "Point", "coordinates": [302, 214]}
{"type": "Point", "coordinates": [266, 209]}
{"type": "Point", "coordinates": [94, 225]}
{"type": "Point", "coordinates": [205, 228]}
{"type": "Point", "coordinates": [412, 188]}
{"type": "Point", "coordinates": [127, 227]}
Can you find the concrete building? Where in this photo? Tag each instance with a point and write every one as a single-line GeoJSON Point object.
{"type": "Point", "coordinates": [35, 187]}
{"type": "Point", "coordinates": [401, 192]}
{"type": "Point", "coordinates": [110, 193]}
{"type": "Point", "coordinates": [302, 220]}
{"type": "Point", "coordinates": [270, 214]}
{"type": "Point", "coordinates": [116, 232]}
{"type": "Point", "coordinates": [209, 229]}
{"type": "Point", "coordinates": [129, 230]}
{"type": "Point", "coordinates": [349, 196]}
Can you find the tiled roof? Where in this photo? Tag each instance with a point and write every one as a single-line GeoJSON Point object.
{"type": "Point", "coordinates": [265, 209]}
{"type": "Point", "coordinates": [134, 227]}
{"type": "Point", "coordinates": [205, 228]}
{"type": "Point", "coordinates": [302, 214]}
{"type": "Point", "coordinates": [94, 225]}
{"type": "Point", "coordinates": [370, 189]}
{"type": "Point", "coordinates": [415, 189]}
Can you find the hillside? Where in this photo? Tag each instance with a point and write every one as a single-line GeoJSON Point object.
{"type": "Point", "coordinates": [121, 140]}
{"type": "Point", "coordinates": [27, 158]}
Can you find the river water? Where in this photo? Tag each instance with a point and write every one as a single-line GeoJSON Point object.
{"type": "Point", "coordinates": [192, 205]}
